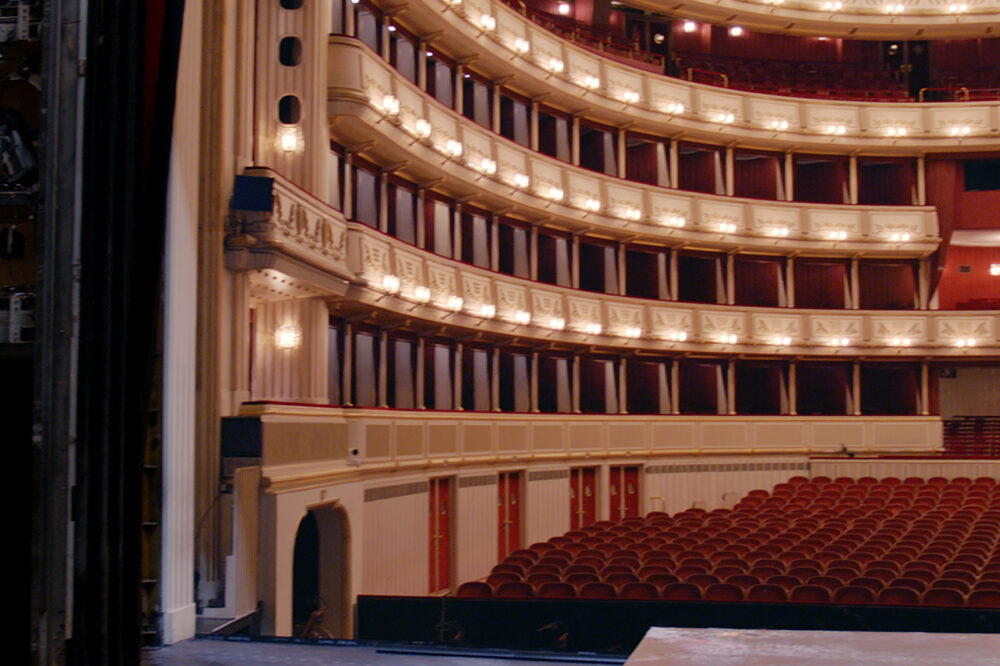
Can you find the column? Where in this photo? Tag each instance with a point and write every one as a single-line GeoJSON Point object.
{"type": "Point", "coordinates": [383, 368]}
{"type": "Point", "coordinates": [459, 86]}
{"type": "Point", "coordinates": [574, 262]}
{"type": "Point", "coordinates": [349, 25]}
{"type": "Point", "coordinates": [348, 369]}
{"type": "Point", "coordinates": [456, 234]}
{"type": "Point", "coordinates": [576, 383]}
{"type": "Point", "coordinates": [622, 386]}
{"type": "Point", "coordinates": [240, 377]}
{"type": "Point", "coordinates": [675, 382]}
{"type": "Point", "coordinates": [621, 269]}
{"type": "Point", "coordinates": [856, 387]}
{"type": "Point", "coordinates": [793, 394]}
{"type": "Point", "coordinates": [382, 187]}
{"type": "Point", "coordinates": [674, 287]}
{"type": "Point", "coordinates": [621, 152]}
{"type": "Point", "coordinates": [533, 253]}
{"type": "Point", "coordinates": [855, 287]}
{"type": "Point", "coordinates": [495, 381]}
{"type": "Point", "coordinates": [730, 171]}
{"type": "Point", "coordinates": [852, 179]}
{"type": "Point", "coordinates": [495, 120]}
{"type": "Point", "coordinates": [456, 384]}
{"type": "Point", "coordinates": [421, 62]}
{"type": "Point", "coordinates": [494, 243]}
{"type": "Point", "coordinates": [922, 180]}
{"type": "Point", "coordinates": [348, 200]}
{"type": "Point", "coordinates": [421, 350]}
{"type": "Point", "coordinates": [421, 217]}
{"type": "Point", "coordinates": [790, 281]}
{"type": "Point", "coordinates": [789, 176]}
{"type": "Point", "coordinates": [925, 405]}
{"type": "Point", "coordinates": [534, 382]}
{"type": "Point", "coordinates": [674, 164]}
{"type": "Point", "coordinates": [386, 50]}
{"type": "Point", "coordinates": [730, 278]}
{"type": "Point", "coordinates": [923, 283]}
{"type": "Point", "coordinates": [575, 141]}
{"type": "Point", "coordinates": [533, 125]}
{"type": "Point", "coordinates": [731, 386]}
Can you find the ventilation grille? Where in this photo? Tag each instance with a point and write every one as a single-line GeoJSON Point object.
{"type": "Point", "coordinates": [548, 474]}
{"type": "Point", "coordinates": [474, 481]}
{"type": "Point", "coordinates": [729, 467]}
{"type": "Point", "coordinates": [389, 492]}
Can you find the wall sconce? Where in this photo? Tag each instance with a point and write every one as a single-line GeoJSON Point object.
{"type": "Point", "coordinates": [454, 303]}
{"type": "Point", "coordinates": [836, 235]}
{"type": "Point", "coordinates": [727, 228]}
{"type": "Point", "coordinates": [591, 204]}
{"type": "Point", "coordinates": [521, 317]}
{"type": "Point", "coordinates": [896, 131]}
{"type": "Point", "coordinates": [728, 338]}
{"type": "Point", "coordinates": [778, 232]}
{"type": "Point", "coordinates": [840, 342]}
{"type": "Point", "coordinates": [630, 96]}
{"type": "Point", "coordinates": [592, 328]}
{"type": "Point", "coordinates": [521, 45]}
{"type": "Point", "coordinates": [832, 6]}
{"type": "Point", "coordinates": [554, 194]}
{"type": "Point", "coordinates": [902, 237]}
{"type": "Point", "coordinates": [900, 342]}
{"type": "Point", "coordinates": [959, 130]}
{"type": "Point", "coordinates": [735, 31]}
{"type": "Point", "coordinates": [994, 269]}
{"type": "Point", "coordinates": [675, 108]}
{"type": "Point", "coordinates": [486, 166]}
{"type": "Point", "coordinates": [894, 8]}
{"type": "Point", "coordinates": [782, 341]}
{"type": "Point", "coordinates": [390, 284]}
{"type": "Point", "coordinates": [521, 180]}
{"type": "Point", "coordinates": [590, 82]}
{"type": "Point", "coordinates": [555, 65]}
{"type": "Point", "coordinates": [564, 8]}
{"type": "Point", "coordinates": [557, 323]}
{"type": "Point", "coordinates": [724, 118]}
{"type": "Point", "coordinates": [690, 26]}
{"type": "Point", "coordinates": [779, 125]}
{"type": "Point", "coordinates": [965, 342]}
{"type": "Point", "coordinates": [487, 310]}
{"type": "Point", "coordinates": [488, 22]}
{"type": "Point", "coordinates": [632, 332]}
{"type": "Point", "coordinates": [390, 105]}
{"type": "Point", "coordinates": [421, 294]}
{"type": "Point", "coordinates": [836, 130]}
{"type": "Point", "coordinates": [677, 336]}
{"type": "Point", "coordinates": [287, 337]}
{"type": "Point", "coordinates": [676, 221]}
{"type": "Point", "coordinates": [422, 128]}
{"type": "Point", "coordinates": [453, 148]}
{"type": "Point", "coordinates": [958, 9]}
{"type": "Point", "coordinates": [290, 139]}
{"type": "Point", "coordinates": [630, 213]}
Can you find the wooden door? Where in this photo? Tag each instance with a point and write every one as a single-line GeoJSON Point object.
{"type": "Point", "coordinates": [582, 496]}
{"type": "Point", "coordinates": [509, 513]}
{"type": "Point", "coordinates": [623, 489]}
{"type": "Point", "coordinates": [440, 535]}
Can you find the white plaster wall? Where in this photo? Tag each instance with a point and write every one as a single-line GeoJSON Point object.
{"type": "Point", "coordinates": [546, 509]}
{"type": "Point", "coordinates": [475, 534]}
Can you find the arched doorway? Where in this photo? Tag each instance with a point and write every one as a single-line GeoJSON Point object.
{"type": "Point", "coordinates": [319, 573]}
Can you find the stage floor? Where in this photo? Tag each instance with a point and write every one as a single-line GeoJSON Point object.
{"type": "Point", "coordinates": [724, 647]}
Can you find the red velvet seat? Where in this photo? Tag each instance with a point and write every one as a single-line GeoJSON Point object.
{"type": "Point", "coordinates": [983, 598]}
{"type": "Point", "coordinates": [898, 596]}
{"type": "Point", "coordinates": [639, 591]}
{"type": "Point", "coordinates": [810, 593]}
{"type": "Point", "coordinates": [853, 594]}
{"type": "Point", "coordinates": [723, 592]}
{"type": "Point", "coordinates": [515, 590]}
{"type": "Point", "coordinates": [943, 597]}
{"type": "Point", "coordinates": [681, 592]}
{"type": "Point", "coordinates": [556, 591]}
{"type": "Point", "coordinates": [474, 590]}
{"type": "Point", "coordinates": [597, 591]}
{"type": "Point", "coordinates": [497, 579]}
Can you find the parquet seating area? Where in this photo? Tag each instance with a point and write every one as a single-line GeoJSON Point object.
{"type": "Point", "coordinates": [933, 542]}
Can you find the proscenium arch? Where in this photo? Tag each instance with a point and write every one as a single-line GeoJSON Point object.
{"type": "Point", "coordinates": [327, 526]}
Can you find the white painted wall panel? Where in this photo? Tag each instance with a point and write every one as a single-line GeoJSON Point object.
{"type": "Point", "coordinates": [546, 508]}
{"type": "Point", "coordinates": [395, 545]}
{"type": "Point", "coordinates": [475, 536]}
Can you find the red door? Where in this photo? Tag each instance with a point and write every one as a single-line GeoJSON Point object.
{"type": "Point", "coordinates": [623, 488]}
{"type": "Point", "coordinates": [582, 496]}
{"type": "Point", "coordinates": [509, 513]}
{"type": "Point", "coordinates": [440, 535]}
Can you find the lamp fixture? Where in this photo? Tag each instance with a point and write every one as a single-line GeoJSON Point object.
{"type": "Point", "coordinates": [453, 148]}
{"type": "Point", "coordinates": [840, 342]}
{"type": "Point", "coordinates": [780, 125]}
{"type": "Point", "coordinates": [390, 284]}
{"type": "Point", "coordinates": [900, 342]}
{"type": "Point", "coordinates": [287, 337]}
{"type": "Point", "coordinates": [454, 303]}
{"type": "Point", "coordinates": [995, 270]}
{"type": "Point", "coordinates": [782, 341]}
{"type": "Point", "coordinates": [487, 310]}
{"type": "Point", "coordinates": [735, 31]}
{"type": "Point", "coordinates": [521, 180]}
{"type": "Point", "coordinates": [959, 130]}
{"type": "Point", "coordinates": [632, 332]}
{"type": "Point", "coordinates": [521, 45]}
{"type": "Point", "coordinates": [901, 237]}
{"type": "Point", "coordinates": [676, 221]}
{"type": "Point", "coordinates": [895, 131]}
{"type": "Point", "coordinates": [421, 294]}
{"type": "Point", "coordinates": [837, 130]}
{"type": "Point", "coordinates": [727, 227]}
{"type": "Point", "coordinates": [723, 118]}
{"type": "Point", "coordinates": [390, 105]}
{"type": "Point", "coordinates": [555, 65]}
{"type": "Point", "coordinates": [564, 8]}
{"type": "Point", "coordinates": [728, 338]}
{"type": "Point", "coordinates": [290, 139]}
{"type": "Point", "coordinates": [690, 26]}
{"type": "Point", "coordinates": [487, 22]}
{"type": "Point", "coordinates": [677, 336]}
{"type": "Point", "coordinates": [590, 82]}
{"type": "Point", "coordinates": [422, 128]}
{"type": "Point", "coordinates": [592, 328]}
{"type": "Point", "coordinates": [630, 213]}
{"type": "Point", "coordinates": [965, 342]}
{"type": "Point", "coordinates": [522, 317]}
{"type": "Point", "coordinates": [833, 6]}
{"type": "Point", "coordinates": [556, 323]}
{"type": "Point", "coordinates": [836, 235]}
